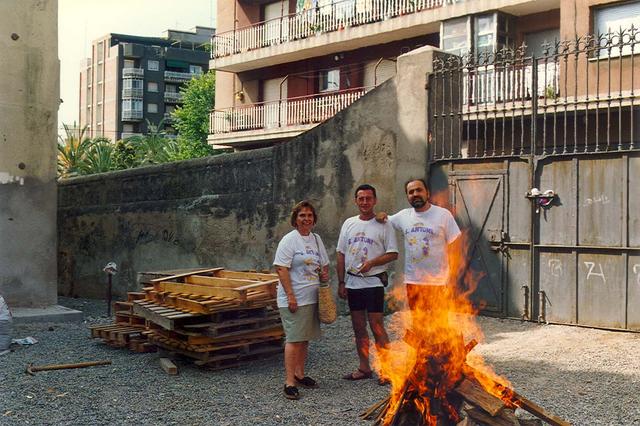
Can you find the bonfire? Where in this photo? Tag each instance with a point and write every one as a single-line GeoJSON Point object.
{"type": "Point", "coordinates": [435, 377]}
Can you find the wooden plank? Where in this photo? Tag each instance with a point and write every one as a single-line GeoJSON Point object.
{"type": "Point", "coordinates": [216, 281]}
{"type": "Point", "coordinates": [474, 393]}
{"type": "Point", "coordinates": [134, 295]}
{"type": "Point", "coordinates": [148, 314]}
{"type": "Point", "coordinates": [245, 275]}
{"type": "Point", "coordinates": [197, 271]}
{"type": "Point", "coordinates": [482, 417]}
{"type": "Point", "coordinates": [168, 366]}
{"type": "Point", "coordinates": [201, 290]}
{"type": "Point", "coordinates": [259, 285]}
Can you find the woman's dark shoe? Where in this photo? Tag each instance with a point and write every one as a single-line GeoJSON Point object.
{"type": "Point", "coordinates": [358, 375]}
{"type": "Point", "coordinates": [306, 382]}
{"type": "Point", "coordinates": [291, 392]}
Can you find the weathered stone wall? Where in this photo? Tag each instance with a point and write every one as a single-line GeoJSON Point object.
{"type": "Point", "coordinates": [29, 99]}
{"type": "Point", "coordinates": [232, 210]}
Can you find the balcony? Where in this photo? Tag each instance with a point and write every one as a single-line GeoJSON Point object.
{"type": "Point", "coordinates": [132, 93]}
{"type": "Point", "coordinates": [178, 77]}
{"type": "Point", "coordinates": [278, 119]}
{"type": "Point", "coordinates": [126, 135]}
{"type": "Point", "coordinates": [131, 115]}
{"type": "Point", "coordinates": [168, 117]}
{"type": "Point", "coordinates": [345, 25]}
{"type": "Point", "coordinates": [132, 72]}
{"type": "Point", "coordinates": [172, 97]}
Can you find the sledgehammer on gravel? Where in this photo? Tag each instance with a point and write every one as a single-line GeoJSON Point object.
{"type": "Point", "coordinates": [31, 369]}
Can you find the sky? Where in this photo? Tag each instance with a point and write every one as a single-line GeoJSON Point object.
{"type": "Point", "coordinates": [81, 21]}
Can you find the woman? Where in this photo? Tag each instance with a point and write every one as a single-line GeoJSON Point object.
{"type": "Point", "coordinates": [302, 263]}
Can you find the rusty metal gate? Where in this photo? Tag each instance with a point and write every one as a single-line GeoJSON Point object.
{"type": "Point", "coordinates": [540, 159]}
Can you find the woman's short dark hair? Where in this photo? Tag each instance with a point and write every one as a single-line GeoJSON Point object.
{"type": "Point", "coordinates": [301, 205]}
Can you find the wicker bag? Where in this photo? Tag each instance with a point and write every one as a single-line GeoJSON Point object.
{"type": "Point", "coordinates": [327, 304]}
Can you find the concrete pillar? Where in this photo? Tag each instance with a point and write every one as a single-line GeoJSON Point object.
{"type": "Point", "coordinates": [411, 153]}
{"type": "Point", "coordinates": [29, 99]}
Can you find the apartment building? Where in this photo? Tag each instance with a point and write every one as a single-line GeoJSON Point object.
{"type": "Point", "coordinates": [284, 66]}
{"type": "Point", "coordinates": [131, 79]}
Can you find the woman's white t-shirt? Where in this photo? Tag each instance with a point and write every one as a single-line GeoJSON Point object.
{"type": "Point", "coordinates": [304, 256]}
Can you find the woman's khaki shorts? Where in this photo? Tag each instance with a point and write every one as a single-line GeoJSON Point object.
{"type": "Point", "coordinates": [303, 325]}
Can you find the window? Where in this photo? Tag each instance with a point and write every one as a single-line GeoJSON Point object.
{"type": "Point", "coordinates": [482, 33]}
{"type": "Point", "coordinates": [485, 33]}
{"type": "Point", "coordinates": [536, 41]}
{"type": "Point", "coordinates": [153, 65]}
{"type": "Point", "coordinates": [329, 80]}
{"type": "Point", "coordinates": [129, 63]}
{"type": "Point", "coordinates": [128, 128]}
{"type": "Point", "coordinates": [131, 84]}
{"type": "Point", "coordinates": [169, 109]}
{"type": "Point", "coordinates": [613, 19]}
{"type": "Point", "coordinates": [132, 105]}
{"type": "Point", "coordinates": [152, 86]}
{"type": "Point", "coordinates": [100, 51]}
{"type": "Point", "coordinates": [152, 108]}
{"type": "Point", "coordinates": [195, 69]}
{"type": "Point", "coordinates": [170, 88]}
{"type": "Point", "coordinates": [99, 72]}
{"type": "Point", "coordinates": [454, 36]}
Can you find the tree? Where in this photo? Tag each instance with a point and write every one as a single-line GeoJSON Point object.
{"type": "Point", "coordinates": [72, 151]}
{"type": "Point", "coordinates": [192, 118]}
{"type": "Point", "coordinates": [99, 158]}
{"type": "Point", "coordinates": [155, 147]}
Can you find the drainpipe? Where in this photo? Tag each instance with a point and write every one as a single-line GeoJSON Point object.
{"type": "Point", "coordinates": [542, 298]}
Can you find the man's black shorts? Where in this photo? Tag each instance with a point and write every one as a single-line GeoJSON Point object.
{"type": "Point", "coordinates": [366, 299]}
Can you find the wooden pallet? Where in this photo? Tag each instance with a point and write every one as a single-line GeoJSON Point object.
{"type": "Point", "coordinates": [119, 336]}
{"type": "Point", "coordinates": [227, 286]}
{"type": "Point", "coordinates": [226, 353]}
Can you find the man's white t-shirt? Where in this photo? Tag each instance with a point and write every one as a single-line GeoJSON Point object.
{"type": "Point", "coordinates": [426, 236]}
{"type": "Point", "coordinates": [304, 256]}
{"type": "Point", "coordinates": [362, 240]}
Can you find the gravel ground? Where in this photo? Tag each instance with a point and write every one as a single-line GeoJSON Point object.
{"type": "Point", "coordinates": [586, 376]}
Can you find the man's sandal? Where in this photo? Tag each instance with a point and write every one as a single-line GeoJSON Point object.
{"type": "Point", "coordinates": [306, 382]}
{"type": "Point", "coordinates": [358, 375]}
{"type": "Point", "coordinates": [291, 392]}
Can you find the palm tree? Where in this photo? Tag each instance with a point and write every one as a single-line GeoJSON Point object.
{"type": "Point", "coordinates": [99, 158]}
{"type": "Point", "coordinates": [155, 147]}
{"type": "Point", "coordinates": [72, 151]}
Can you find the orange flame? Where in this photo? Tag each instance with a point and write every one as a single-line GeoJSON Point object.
{"type": "Point", "coordinates": [433, 336]}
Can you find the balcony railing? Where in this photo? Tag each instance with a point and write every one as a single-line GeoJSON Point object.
{"type": "Point", "coordinates": [580, 96]}
{"type": "Point", "coordinates": [132, 93]}
{"type": "Point", "coordinates": [126, 135]}
{"type": "Point", "coordinates": [178, 77]}
{"type": "Point", "coordinates": [132, 72]}
{"type": "Point", "coordinates": [168, 117]}
{"type": "Point", "coordinates": [172, 97]}
{"type": "Point", "coordinates": [308, 23]}
{"type": "Point", "coordinates": [286, 112]}
{"type": "Point", "coordinates": [131, 115]}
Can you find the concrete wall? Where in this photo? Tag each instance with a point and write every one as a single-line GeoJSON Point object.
{"type": "Point", "coordinates": [29, 100]}
{"type": "Point", "coordinates": [232, 210]}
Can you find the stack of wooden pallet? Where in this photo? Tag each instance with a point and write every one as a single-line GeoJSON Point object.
{"type": "Point", "coordinates": [128, 331]}
{"type": "Point", "coordinates": [216, 317]}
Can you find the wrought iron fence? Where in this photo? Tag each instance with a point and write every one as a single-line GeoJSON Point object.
{"type": "Point", "coordinates": [580, 96]}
